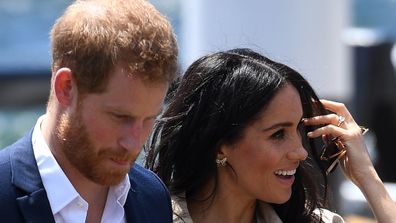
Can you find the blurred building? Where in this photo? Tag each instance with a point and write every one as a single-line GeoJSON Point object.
{"type": "Point", "coordinates": [303, 34]}
{"type": "Point", "coordinates": [24, 63]}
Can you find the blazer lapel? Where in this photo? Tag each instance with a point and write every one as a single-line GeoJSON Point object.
{"type": "Point", "coordinates": [35, 207]}
{"type": "Point", "coordinates": [32, 200]}
{"type": "Point", "coordinates": [133, 210]}
{"type": "Point", "coordinates": [129, 207]}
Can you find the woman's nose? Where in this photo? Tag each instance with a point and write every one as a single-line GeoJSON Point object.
{"type": "Point", "coordinates": [298, 153]}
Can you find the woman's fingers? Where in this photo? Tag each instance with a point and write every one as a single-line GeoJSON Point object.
{"type": "Point", "coordinates": [323, 119]}
{"type": "Point", "coordinates": [327, 130]}
{"type": "Point", "coordinates": [338, 124]}
{"type": "Point", "coordinates": [338, 108]}
{"type": "Point", "coordinates": [335, 107]}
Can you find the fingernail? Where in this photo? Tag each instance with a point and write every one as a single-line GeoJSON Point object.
{"type": "Point", "coordinates": [309, 134]}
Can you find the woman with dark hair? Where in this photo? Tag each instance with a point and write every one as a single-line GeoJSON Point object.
{"type": "Point", "coordinates": [238, 143]}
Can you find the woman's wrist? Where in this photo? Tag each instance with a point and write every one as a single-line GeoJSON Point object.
{"type": "Point", "coordinates": [366, 178]}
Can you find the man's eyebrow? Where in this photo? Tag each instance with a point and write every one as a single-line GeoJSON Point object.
{"type": "Point", "coordinates": [115, 109]}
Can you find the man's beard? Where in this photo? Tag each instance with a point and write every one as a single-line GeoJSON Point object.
{"type": "Point", "coordinates": [88, 160]}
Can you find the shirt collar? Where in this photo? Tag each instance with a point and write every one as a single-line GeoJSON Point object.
{"type": "Point", "coordinates": [52, 176]}
{"type": "Point", "coordinates": [120, 191]}
{"type": "Point", "coordinates": [51, 173]}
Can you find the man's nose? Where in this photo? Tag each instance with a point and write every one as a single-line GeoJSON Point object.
{"type": "Point", "coordinates": [132, 138]}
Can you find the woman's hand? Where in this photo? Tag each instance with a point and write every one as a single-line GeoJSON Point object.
{"type": "Point", "coordinates": [356, 162]}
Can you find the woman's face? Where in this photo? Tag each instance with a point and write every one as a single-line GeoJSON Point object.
{"type": "Point", "coordinates": [265, 159]}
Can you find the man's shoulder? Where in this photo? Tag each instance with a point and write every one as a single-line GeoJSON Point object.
{"type": "Point", "coordinates": [8, 193]}
{"type": "Point", "coordinates": [148, 192]}
{"type": "Point", "coordinates": [4, 155]}
{"type": "Point", "coordinates": [144, 177]}
{"type": "Point", "coordinates": [5, 166]}
{"type": "Point", "coordinates": [17, 164]}
{"type": "Point", "coordinates": [25, 142]}
{"type": "Point", "coordinates": [147, 184]}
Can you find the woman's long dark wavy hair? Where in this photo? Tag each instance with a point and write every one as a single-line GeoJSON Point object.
{"type": "Point", "coordinates": [217, 98]}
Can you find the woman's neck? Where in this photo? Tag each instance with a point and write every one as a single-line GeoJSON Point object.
{"type": "Point", "coordinates": [228, 205]}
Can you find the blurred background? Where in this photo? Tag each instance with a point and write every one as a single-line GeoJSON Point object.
{"type": "Point", "coordinates": [345, 48]}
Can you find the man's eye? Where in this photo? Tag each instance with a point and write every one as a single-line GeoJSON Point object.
{"type": "Point", "coordinates": [121, 117]}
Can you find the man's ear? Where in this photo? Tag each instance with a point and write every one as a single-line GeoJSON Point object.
{"type": "Point", "coordinates": [64, 86]}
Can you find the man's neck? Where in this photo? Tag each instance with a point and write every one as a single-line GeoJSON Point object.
{"type": "Point", "coordinates": [94, 194]}
{"type": "Point", "coordinates": [96, 207]}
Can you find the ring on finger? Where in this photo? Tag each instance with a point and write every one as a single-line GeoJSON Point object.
{"type": "Point", "coordinates": [341, 119]}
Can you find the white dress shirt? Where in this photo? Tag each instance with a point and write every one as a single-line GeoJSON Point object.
{"type": "Point", "coordinates": [66, 203]}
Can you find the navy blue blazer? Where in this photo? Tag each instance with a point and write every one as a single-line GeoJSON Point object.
{"type": "Point", "coordinates": [24, 199]}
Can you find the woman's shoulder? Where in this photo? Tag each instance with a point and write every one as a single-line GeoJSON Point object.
{"type": "Point", "coordinates": [268, 214]}
{"type": "Point", "coordinates": [181, 214]}
{"type": "Point", "coordinates": [328, 216]}
{"type": "Point", "coordinates": [180, 210]}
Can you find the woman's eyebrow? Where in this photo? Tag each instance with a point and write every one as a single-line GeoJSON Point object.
{"type": "Point", "coordinates": [278, 125]}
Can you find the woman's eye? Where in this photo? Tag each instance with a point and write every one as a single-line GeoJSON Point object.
{"type": "Point", "coordinates": [278, 135]}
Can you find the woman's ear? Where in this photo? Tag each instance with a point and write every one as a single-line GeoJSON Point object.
{"type": "Point", "coordinates": [223, 151]}
{"type": "Point", "coordinates": [64, 86]}
{"type": "Point", "coordinates": [221, 157]}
